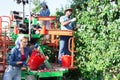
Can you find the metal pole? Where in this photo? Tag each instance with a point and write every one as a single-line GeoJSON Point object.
{"type": "Point", "coordinates": [29, 20]}
{"type": "Point", "coordinates": [23, 10]}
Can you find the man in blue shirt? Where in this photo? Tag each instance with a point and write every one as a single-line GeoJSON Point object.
{"type": "Point", "coordinates": [66, 24]}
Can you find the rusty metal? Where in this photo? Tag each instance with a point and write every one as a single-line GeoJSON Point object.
{"type": "Point", "coordinates": [54, 32]}
{"type": "Point", "coordinates": [71, 47]}
{"type": "Point", "coordinates": [7, 21]}
{"type": "Point", "coordinates": [0, 25]}
{"type": "Point", "coordinates": [4, 42]}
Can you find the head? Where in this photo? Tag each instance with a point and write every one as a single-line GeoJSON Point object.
{"type": "Point", "coordinates": [21, 41]}
{"type": "Point", "coordinates": [44, 6]}
{"type": "Point", "coordinates": [68, 12]}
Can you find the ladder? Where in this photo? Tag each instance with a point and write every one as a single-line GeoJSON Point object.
{"type": "Point", "coordinates": [4, 42]}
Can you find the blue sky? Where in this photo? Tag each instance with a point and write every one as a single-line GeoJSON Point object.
{"type": "Point", "coordinates": [9, 5]}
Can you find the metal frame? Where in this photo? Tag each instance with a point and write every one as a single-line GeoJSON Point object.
{"type": "Point", "coordinates": [53, 32]}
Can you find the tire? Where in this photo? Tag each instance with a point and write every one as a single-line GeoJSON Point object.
{"type": "Point", "coordinates": [31, 77]}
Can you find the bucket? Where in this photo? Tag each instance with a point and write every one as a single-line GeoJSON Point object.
{"type": "Point", "coordinates": [35, 60]}
{"type": "Point", "coordinates": [66, 60]}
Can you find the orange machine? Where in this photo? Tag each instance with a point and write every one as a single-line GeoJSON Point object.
{"type": "Point", "coordinates": [55, 32]}
{"type": "Point", "coordinates": [4, 41]}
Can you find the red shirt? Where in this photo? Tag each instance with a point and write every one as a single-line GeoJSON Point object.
{"type": "Point", "coordinates": [23, 57]}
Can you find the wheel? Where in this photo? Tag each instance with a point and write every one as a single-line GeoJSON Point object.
{"type": "Point", "coordinates": [31, 77]}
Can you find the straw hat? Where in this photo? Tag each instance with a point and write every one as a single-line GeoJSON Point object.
{"type": "Point", "coordinates": [69, 9]}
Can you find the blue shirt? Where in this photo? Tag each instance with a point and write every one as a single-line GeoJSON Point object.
{"type": "Point", "coordinates": [66, 27]}
{"type": "Point", "coordinates": [15, 55]}
{"type": "Point", "coordinates": [44, 12]}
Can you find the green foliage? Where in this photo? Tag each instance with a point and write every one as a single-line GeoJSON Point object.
{"type": "Point", "coordinates": [59, 13]}
{"type": "Point", "coordinates": [37, 7]}
{"type": "Point", "coordinates": [98, 39]}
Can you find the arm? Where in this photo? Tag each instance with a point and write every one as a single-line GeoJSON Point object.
{"type": "Point", "coordinates": [65, 23]}
{"type": "Point", "coordinates": [12, 60]}
{"type": "Point", "coordinates": [48, 12]}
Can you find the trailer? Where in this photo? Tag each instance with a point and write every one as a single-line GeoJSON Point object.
{"type": "Point", "coordinates": [53, 70]}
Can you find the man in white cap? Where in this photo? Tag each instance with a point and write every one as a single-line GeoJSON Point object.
{"type": "Point", "coordinates": [66, 24]}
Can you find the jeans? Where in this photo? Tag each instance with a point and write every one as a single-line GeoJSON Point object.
{"type": "Point", "coordinates": [12, 73]}
{"type": "Point", "coordinates": [63, 48]}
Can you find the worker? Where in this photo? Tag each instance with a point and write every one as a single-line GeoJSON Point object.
{"type": "Point", "coordinates": [45, 12]}
{"type": "Point", "coordinates": [17, 59]}
{"type": "Point", "coordinates": [66, 24]}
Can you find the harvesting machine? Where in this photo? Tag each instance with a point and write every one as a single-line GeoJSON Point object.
{"type": "Point", "coordinates": [17, 26]}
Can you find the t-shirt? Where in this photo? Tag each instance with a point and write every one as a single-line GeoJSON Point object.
{"type": "Point", "coordinates": [44, 12]}
{"type": "Point", "coordinates": [66, 27]}
{"type": "Point", "coordinates": [23, 57]}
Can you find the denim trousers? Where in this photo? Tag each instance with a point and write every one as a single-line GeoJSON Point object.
{"type": "Point", "coordinates": [12, 73]}
{"type": "Point", "coordinates": [63, 48]}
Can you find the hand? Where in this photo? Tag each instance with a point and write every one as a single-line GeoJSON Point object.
{"type": "Point", "coordinates": [75, 29]}
{"type": "Point", "coordinates": [24, 63]}
{"type": "Point", "coordinates": [72, 20]}
{"type": "Point", "coordinates": [19, 62]}
{"type": "Point", "coordinates": [36, 45]}
{"type": "Point", "coordinates": [23, 68]}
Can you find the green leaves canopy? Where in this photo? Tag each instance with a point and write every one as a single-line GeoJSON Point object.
{"type": "Point", "coordinates": [98, 39]}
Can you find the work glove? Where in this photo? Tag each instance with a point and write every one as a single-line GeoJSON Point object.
{"type": "Point", "coordinates": [36, 45]}
{"type": "Point", "coordinates": [75, 29]}
{"type": "Point", "coordinates": [24, 63]}
{"type": "Point", "coordinates": [72, 20]}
